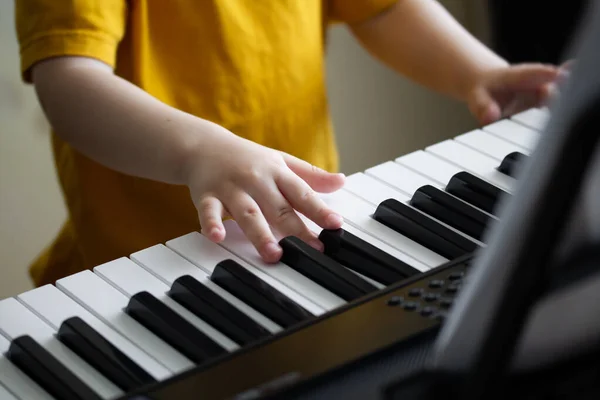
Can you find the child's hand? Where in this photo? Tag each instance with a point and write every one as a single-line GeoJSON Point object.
{"type": "Point", "coordinates": [257, 187]}
{"type": "Point", "coordinates": [509, 90]}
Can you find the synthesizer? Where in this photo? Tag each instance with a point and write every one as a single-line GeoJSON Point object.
{"type": "Point", "coordinates": [193, 319]}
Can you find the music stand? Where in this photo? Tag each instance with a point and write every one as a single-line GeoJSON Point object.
{"type": "Point", "coordinates": [515, 287]}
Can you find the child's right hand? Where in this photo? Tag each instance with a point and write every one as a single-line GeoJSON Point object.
{"type": "Point", "coordinates": [109, 119]}
{"type": "Point", "coordinates": [257, 187]}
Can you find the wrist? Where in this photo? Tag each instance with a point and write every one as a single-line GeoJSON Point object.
{"type": "Point", "coordinates": [201, 140]}
{"type": "Point", "coordinates": [479, 75]}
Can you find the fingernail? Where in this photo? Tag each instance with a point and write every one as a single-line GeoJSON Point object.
{"type": "Point", "coordinates": [334, 219]}
{"type": "Point", "coordinates": [215, 231]}
{"type": "Point", "coordinates": [316, 244]}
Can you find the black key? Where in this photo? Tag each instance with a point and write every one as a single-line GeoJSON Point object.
{"type": "Point", "coordinates": [258, 294]}
{"type": "Point", "coordinates": [511, 162]}
{"type": "Point", "coordinates": [172, 328]}
{"type": "Point", "coordinates": [77, 335]}
{"type": "Point", "coordinates": [47, 371]}
{"type": "Point", "coordinates": [323, 270]}
{"type": "Point", "coordinates": [475, 191]}
{"type": "Point", "coordinates": [364, 258]}
{"type": "Point", "coordinates": [211, 308]}
{"type": "Point", "coordinates": [450, 210]}
{"type": "Point", "coordinates": [422, 229]}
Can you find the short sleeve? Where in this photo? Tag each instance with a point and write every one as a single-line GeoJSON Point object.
{"type": "Point", "coordinates": [51, 28]}
{"type": "Point", "coordinates": [352, 11]}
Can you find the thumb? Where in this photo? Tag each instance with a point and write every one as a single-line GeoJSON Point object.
{"type": "Point", "coordinates": [483, 106]}
{"type": "Point", "coordinates": [317, 178]}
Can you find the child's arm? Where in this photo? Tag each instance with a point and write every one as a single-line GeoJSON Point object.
{"type": "Point", "coordinates": [122, 127]}
{"type": "Point", "coordinates": [422, 41]}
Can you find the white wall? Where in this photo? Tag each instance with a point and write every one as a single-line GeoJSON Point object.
{"type": "Point", "coordinates": [377, 115]}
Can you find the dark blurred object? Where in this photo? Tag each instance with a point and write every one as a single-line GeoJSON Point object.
{"type": "Point", "coordinates": [533, 30]}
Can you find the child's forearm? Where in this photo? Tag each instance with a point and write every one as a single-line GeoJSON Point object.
{"type": "Point", "coordinates": [422, 41]}
{"type": "Point", "coordinates": [117, 124]}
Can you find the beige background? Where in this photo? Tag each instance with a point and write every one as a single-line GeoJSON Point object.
{"type": "Point", "coordinates": [377, 115]}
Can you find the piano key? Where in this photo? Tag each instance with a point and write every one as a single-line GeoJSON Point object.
{"type": "Point", "coordinates": [323, 270]}
{"type": "Point", "coordinates": [233, 277]}
{"type": "Point", "coordinates": [514, 132]}
{"type": "Point", "coordinates": [370, 189]}
{"type": "Point", "coordinates": [16, 380]}
{"type": "Point", "coordinates": [205, 254]}
{"type": "Point", "coordinates": [172, 328]}
{"type": "Point", "coordinates": [48, 371]}
{"type": "Point", "coordinates": [87, 343]}
{"type": "Point", "coordinates": [534, 118]}
{"type": "Point", "coordinates": [510, 164]}
{"type": "Point", "coordinates": [107, 303]}
{"type": "Point", "coordinates": [450, 210]}
{"type": "Point", "coordinates": [54, 307]}
{"type": "Point", "coordinates": [475, 191]}
{"type": "Point", "coordinates": [472, 161]}
{"type": "Point", "coordinates": [423, 230]}
{"type": "Point", "coordinates": [359, 213]}
{"type": "Point", "coordinates": [132, 279]}
{"type": "Point", "coordinates": [169, 266]}
{"type": "Point", "coordinates": [204, 303]}
{"type": "Point", "coordinates": [16, 320]}
{"type": "Point", "coordinates": [364, 258]}
{"type": "Point", "coordinates": [488, 144]}
{"type": "Point", "coordinates": [399, 177]}
{"type": "Point", "coordinates": [372, 241]}
{"type": "Point", "coordinates": [430, 166]}
{"type": "Point", "coordinates": [377, 196]}
{"type": "Point", "coordinates": [5, 394]}
{"type": "Point", "coordinates": [236, 242]}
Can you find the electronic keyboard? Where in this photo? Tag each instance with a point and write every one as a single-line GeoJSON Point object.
{"type": "Point", "coordinates": [195, 319]}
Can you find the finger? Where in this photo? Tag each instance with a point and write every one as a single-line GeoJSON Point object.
{"type": "Point", "coordinates": [211, 213]}
{"type": "Point", "coordinates": [281, 215]}
{"type": "Point", "coordinates": [527, 76]}
{"type": "Point", "coordinates": [319, 179]}
{"type": "Point", "coordinates": [248, 215]}
{"type": "Point", "coordinates": [304, 199]}
{"type": "Point", "coordinates": [484, 107]}
{"type": "Point", "coordinates": [567, 65]}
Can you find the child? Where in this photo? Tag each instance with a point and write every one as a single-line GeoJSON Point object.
{"type": "Point", "coordinates": [166, 114]}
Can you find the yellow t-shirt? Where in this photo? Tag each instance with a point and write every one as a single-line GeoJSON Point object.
{"type": "Point", "coordinates": [255, 67]}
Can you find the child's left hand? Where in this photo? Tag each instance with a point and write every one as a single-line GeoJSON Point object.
{"type": "Point", "coordinates": [505, 91]}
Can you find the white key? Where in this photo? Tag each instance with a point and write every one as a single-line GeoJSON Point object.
{"type": "Point", "coordinates": [54, 307]}
{"type": "Point", "coordinates": [200, 251]}
{"type": "Point", "coordinates": [534, 118]}
{"type": "Point", "coordinates": [472, 161]}
{"type": "Point", "coordinates": [5, 394]}
{"type": "Point", "coordinates": [372, 241]}
{"type": "Point", "coordinates": [130, 279]}
{"type": "Point", "coordinates": [17, 320]}
{"type": "Point", "coordinates": [515, 133]}
{"type": "Point", "coordinates": [400, 177]}
{"type": "Point", "coordinates": [433, 167]}
{"type": "Point", "coordinates": [167, 265]}
{"type": "Point", "coordinates": [490, 145]}
{"type": "Point", "coordinates": [237, 243]}
{"type": "Point", "coordinates": [368, 188]}
{"type": "Point", "coordinates": [16, 380]}
{"type": "Point", "coordinates": [430, 166]}
{"type": "Point", "coordinates": [378, 196]}
{"type": "Point", "coordinates": [108, 304]}
{"type": "Point", "coordinates": [358, 213]}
